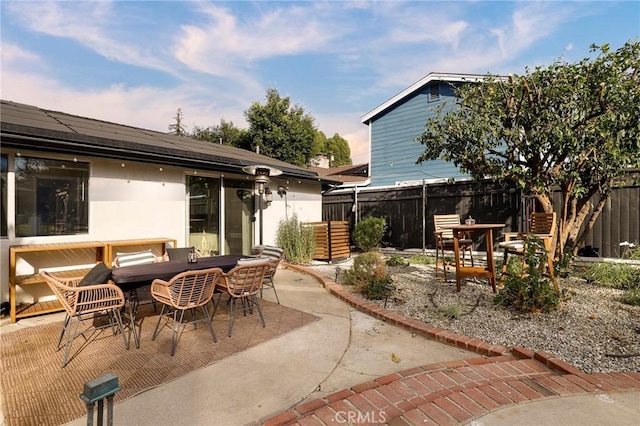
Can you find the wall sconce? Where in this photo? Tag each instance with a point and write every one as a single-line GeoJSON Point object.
{"type": "Point", "coordinates": [282, 191]}
{"type": "Point", "coordinates": [268, 196]}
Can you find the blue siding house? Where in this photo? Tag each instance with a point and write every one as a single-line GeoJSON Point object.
{"type": "Point", "coordinates": [395, 125]}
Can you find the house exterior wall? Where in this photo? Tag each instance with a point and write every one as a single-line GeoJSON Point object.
{"type": "Point", "coordinates": [303, 199]}
{"type": "Point", "coordinates": [140, 200]}
{"type": "Point", "coordinates": [393, 133]}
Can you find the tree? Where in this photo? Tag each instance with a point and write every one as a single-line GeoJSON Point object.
{"type": "Point", "coordinates": [178, 128]}
{"type": "Point", "coordinates": [571, 127]}
{"type": "Point", "coordinates": [280, 130]}
{"type": "Point", "coordinates": [226, 133]}
{"type": "Point", "coordinates": [335, 146]}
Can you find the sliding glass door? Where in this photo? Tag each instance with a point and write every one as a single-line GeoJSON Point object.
{"type": "Point", "coordinates": [204, 214]}
{"type": "Point", "coordinates": [238, 216]}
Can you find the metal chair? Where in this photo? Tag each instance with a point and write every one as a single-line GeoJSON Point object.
{"type": "Point", "coordinates": [543, 226]}
{"type": "Point", "coordinates": [186, 291]}
{"type": "Point", "coordinates": [444, 239]}
{"type": "Point", "coordinates": [242, 284]}
{"type": "Point", "coordinates": [85, 302]}
{"type": "Point", "coordinates": [275, 255]}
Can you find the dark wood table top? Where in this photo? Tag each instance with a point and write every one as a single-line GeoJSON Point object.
{"type": "Point", "coordinates": [476, 227]}
{"type": "Point", "coordinates": [129, 277]}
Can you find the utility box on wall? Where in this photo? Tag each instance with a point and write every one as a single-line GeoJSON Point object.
{"type": "Point", "coordinates": [332, 240]}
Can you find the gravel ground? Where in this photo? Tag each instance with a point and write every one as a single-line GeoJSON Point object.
{"type": "Point", "coordinates": [592, 330]}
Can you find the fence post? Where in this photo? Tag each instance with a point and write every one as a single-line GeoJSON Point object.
{"type": "Point", "coordinates": [97, 390]}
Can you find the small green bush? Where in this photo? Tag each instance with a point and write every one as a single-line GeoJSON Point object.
{"type": "Point", "coordinates": [368, 233]}
{"type": "Point", "coordinates": [631, 297]}
{"type": "Point", "coordinates": [616, 275]}
{"type": "Point", "coordinates": [452, 311]}
{"type": "Point", "coordinates": [397, 260]}
{"type": "Point", "coordinates": [532, 291]}
{"type": "Point", "coordinates": [369, 276]}
{"type": "Point", "coordinates": [297, 240]}
{"type": "Point", "coordinates": [422, 259]}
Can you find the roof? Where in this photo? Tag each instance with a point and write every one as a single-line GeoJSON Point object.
{"type": "Point", "coordinates": [419, 85]}
{"type": "Point", "coordinates": [348, 175]}
{"type": "Point", "coordinates": [29, 127]}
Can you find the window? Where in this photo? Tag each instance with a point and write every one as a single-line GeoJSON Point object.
{"type": "Point", "coordinates": [4, 165]}
{"type": "Point", "coordinates": [51, 197]}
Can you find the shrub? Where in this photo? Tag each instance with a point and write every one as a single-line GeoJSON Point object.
{"type": "Point", "coordinates": [531, 292]}
{"type": "Point", "coordinates": [616, 275]}
{"type": "Point", "coordinates": [631, 297]}
{"type": "Point", "coordinates": [368, 233]}
{"type": "Point", "coordinates": [297, 240]}
{"type": "Point", "coordinates": [397, 260]}
{"type": "Point", "coordinates": [422, 259]}
{"type": "Point", "coordinates": [369, 276]}
{"type": "Point", "coordinates": [452, 311]}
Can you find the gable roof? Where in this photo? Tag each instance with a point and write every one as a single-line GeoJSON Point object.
{"type": "Point", "coordinates": [29, 127]}
{"type": "Point", "coordinates": [348, 175]}
{"type": "Point", "coordinates": [454, 78]}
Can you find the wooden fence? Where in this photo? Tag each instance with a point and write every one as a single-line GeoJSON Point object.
{"type": "Point", "coordinates": [409, 212]}
{"type": "Point", "coordinates": [332, 240]}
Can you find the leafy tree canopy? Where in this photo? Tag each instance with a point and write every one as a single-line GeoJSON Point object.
{"type": "Point", "coordinates": [574, 127]}
{"type": "Point", "coordinates": [276, 129]}
{"type": "Point", "coordinates": [281, 130]}
{"type": "Point", "coordinates": [336, 146]}
{"type": "Point", "coordinates": [225, 133]}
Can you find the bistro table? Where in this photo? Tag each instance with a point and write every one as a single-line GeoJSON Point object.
{"type": "Point", "coordinates": [131, 278]}
{"type": "Point", "coordinates": [489, 271]}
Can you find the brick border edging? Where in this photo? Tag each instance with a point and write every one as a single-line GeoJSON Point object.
{"type": "Point", "coordinates": [458, 401]}
{"type": "Point", "coordinates": [429, 331]}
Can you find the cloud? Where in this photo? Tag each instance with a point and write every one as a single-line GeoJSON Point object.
{"type": "Point", "coordinates": [348, 125]}
{"type": "Point", "coordinates": [93, 24]}
{"type": "Point", "coordinates": [228, 43]}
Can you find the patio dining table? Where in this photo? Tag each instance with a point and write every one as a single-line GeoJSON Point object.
{"type": "Point", "coordinates": [131, 278]}
{"type": "Point", "coordinates": [477, 271]}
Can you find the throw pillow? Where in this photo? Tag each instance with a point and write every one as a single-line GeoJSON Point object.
{"type": "Point", "coordinates": [136, 258]}
{"type": "Point", "coordinates": [100, 274]}
{"type": "Point", "coordinates": [181, 253]}
{"type": "Point", "coordinates": [272, 252]}
{"type": "Point", "coordinates": [252, 260]}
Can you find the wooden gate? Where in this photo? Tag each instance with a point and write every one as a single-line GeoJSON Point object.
{"type": "Point", "coordinates": [332, 240]}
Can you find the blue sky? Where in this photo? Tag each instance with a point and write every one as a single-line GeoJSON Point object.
{"type": "Point", "coordinates": [136, 62]}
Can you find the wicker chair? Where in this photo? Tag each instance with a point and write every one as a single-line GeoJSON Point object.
{"type": "Point", "coordinates": [275, 255]}
{"type": "Point", "coordinates": [242, 283]}
{"type": "Point", "coordinates": [82, 303]}
{"type": "Point", "coordinates": [543, 226]}
{"type": "Point", "coordinates": [444, 239]}
{"type": "Point", "coordinates": [186, 291]}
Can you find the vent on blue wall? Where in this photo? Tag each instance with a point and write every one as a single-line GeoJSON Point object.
{"type": "Point", "coordinates": [434, 92]}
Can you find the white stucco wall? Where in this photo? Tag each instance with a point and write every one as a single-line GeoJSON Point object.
{"type": "Point", "coordinates": [303, 199]}
{"type": "Point", "coordinates": [148, 201]}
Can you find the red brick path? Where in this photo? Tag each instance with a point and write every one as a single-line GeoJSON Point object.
{"type": "Point", "coordinates": [448, 393]}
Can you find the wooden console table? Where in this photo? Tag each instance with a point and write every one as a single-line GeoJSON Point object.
{"type": "Point", "coordinates": [104, 251]}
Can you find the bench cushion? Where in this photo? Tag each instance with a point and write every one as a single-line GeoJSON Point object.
{"type": "Point", "coordinates": [100, 274]}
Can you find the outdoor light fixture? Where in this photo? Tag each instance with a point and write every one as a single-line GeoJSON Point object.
{"type": "Point", "coordinates": [261, 174]}
{"type": "Point", "coordinates": [268, 196]}
{"type": "Point", "coordinates": [282, 191]}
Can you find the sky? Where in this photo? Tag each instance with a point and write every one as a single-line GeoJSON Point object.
{"type": "Point", "coordinates": [137, 62]}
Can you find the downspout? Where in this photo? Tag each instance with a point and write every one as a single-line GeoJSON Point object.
{"type": "Point", "coordinates": [355, 204]}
